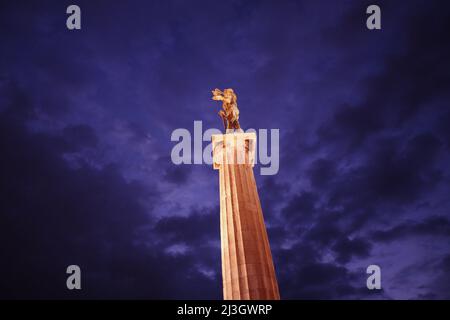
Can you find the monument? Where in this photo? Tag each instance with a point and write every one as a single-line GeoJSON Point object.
{"type": "Point", "coordinates": [247, 266]}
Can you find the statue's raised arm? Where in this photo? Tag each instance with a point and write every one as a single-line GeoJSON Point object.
{"type": "Point", "coordinates": [217, 94]}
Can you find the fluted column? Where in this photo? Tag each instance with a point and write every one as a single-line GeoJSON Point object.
{"type": "Point", "coordinates": [247, 265]}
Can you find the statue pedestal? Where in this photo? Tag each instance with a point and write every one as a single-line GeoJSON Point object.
{"type": "Point", "coordinates": [247, 266]}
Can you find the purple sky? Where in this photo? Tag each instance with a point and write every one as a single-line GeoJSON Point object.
{"type": "Point", "coordinates": [86, 118]}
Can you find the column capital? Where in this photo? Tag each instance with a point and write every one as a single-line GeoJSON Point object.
{"type": "Point", "coordinates": [239, 148]}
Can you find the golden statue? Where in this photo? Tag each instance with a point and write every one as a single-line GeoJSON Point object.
{"type": "Point", "coordinates": [230, 112]}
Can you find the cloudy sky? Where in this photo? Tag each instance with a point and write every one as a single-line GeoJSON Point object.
{"type": "Point", "coordinates": [86, 118]}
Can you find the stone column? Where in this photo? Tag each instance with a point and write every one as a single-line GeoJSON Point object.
{"type": "Point", "coordinates": [247, 266]}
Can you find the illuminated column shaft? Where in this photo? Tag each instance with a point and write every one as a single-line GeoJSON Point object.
{"type": "Point", "coordinates": [247, 266]}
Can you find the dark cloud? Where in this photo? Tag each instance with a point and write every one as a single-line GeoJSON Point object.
{"type": "Point", "coordinates": [271, 193]}
{"type": "Point", "coordinates": [176, 175]}
{"type": "Point", "coordinates": [347, 248]}
{"type": "Point", "coordinates": [441, 282]}
{"type": "Point", "coordinates": [410, 78]}
{"type": "Point", "coordinates": [445, 264]}
{"type": "Point", "coordinates": [401, 175]}
{"type": "Point", "coordinates": [318, 281]}
{"type": "Point", "coordinates": [394, 172]}
{"type": "Point", "coordinates": [432, 226]}
{"type": "Point", "coordinates": [444, 128]}
{"type": "Point", "coordinates": [324, 232]}
{"type": "Point", "coordinates": [54, 216]}
{"type": "Point", "coordinates": [199, 226]}
{"type": "Point", "coordinates": [321, 172]}
{"type": "Point", "coordinates": [355, 123]}
{"type": "Point", "coordinates": [301, 206]}
{"type": "Point", "coordinates": [80, 136]}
